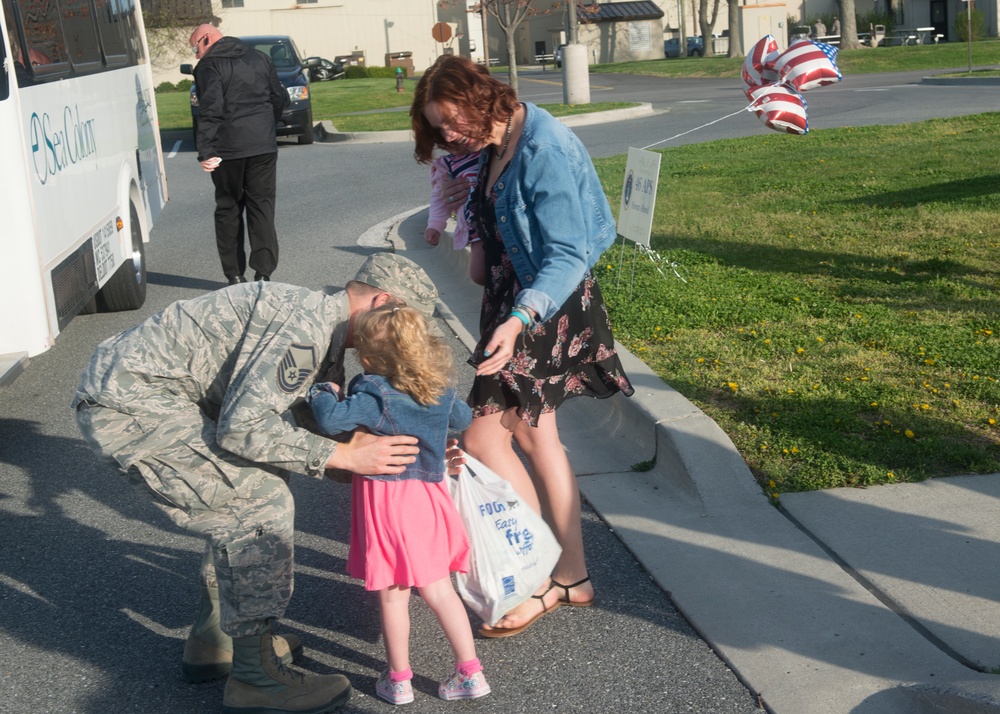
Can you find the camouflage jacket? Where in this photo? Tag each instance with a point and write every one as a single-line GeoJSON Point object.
{"type": "Point", "coordinates": [243, 356]}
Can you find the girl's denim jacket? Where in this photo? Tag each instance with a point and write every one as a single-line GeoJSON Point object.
{"type": "Point", "coordinates": [552, 213]}
{"type": "Point", "coordinates": [384, 410]}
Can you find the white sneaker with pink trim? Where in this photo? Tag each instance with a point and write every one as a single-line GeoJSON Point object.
{"type": "Point", "coordinates": [458, 686]}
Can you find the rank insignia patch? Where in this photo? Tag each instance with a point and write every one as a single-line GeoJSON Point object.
{"type": "Point", "coordinates": [296, 366]}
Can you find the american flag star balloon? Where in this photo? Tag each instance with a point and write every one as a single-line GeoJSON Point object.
{"type": "Point", "coordinates": [807, 64]}
{"type": "Point", "coordinates": [758, 67]}
{"type": "Point", "coordinates": [779, 108]}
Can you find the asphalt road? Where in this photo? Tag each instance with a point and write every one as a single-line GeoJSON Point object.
{"type": "Point", "coordinates": [97, 589]}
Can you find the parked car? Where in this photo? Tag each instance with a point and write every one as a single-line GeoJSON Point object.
{"type": "Point", "coordinates": [695, 47]}
{"type": "Point", "coordinates": [558, 56]}
{"type": "Point", "coordinates": [293, 72]}
{"type": "Point", "coordinates": [325, 70]}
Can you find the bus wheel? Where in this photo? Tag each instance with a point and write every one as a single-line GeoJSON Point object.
{"type": "Point", "coordinates": [126, 290]}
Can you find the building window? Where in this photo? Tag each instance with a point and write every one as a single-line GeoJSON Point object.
{"type": "Point", "coordinates": [232, 3]}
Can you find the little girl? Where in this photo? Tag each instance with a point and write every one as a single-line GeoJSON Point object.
{"type": "Point", "coordinates": [454, 166]}
{"type": "Point", "coordinates": [405, 529]}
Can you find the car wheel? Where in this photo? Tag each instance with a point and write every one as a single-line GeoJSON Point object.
{"type": "Point", "coordinates": [306, 137]}
{"type": "Point", "coordinates": [696, 53]}
{"type": "Point", "coordinates": [322, 75]}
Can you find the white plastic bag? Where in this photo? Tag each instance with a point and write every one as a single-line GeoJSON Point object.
{"type": "Point", "coordinates": [513, 550]}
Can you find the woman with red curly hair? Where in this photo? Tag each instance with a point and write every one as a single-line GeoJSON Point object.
{"type": "Point", "coordinates": [544, 220]}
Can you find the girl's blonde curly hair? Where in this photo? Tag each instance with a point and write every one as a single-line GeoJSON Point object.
{"type": "Point", "coordinates": [394, 341]}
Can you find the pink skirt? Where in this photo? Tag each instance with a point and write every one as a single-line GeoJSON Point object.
{"type": "Point", "coordinates": [405, 533]}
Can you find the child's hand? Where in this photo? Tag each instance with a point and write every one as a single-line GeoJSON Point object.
{"type": "Point", "coordinates": [329, 387]}
{"type": "Point", "coordinates": [432, 236]}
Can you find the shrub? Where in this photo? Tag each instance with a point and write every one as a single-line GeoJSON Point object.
{"type": "Point", "coordinates": [961, 25]}
{"type": "Point", "coordinates": [184, 85]}
{"type": "Point", "coordinates": [164, 87]}
{"type": "Point", "coordinates": [360, 72]}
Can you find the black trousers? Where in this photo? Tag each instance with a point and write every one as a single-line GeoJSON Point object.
{"type": "Point", "coordinates": [246, 184]}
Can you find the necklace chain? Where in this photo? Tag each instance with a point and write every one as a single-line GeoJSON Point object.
{"type": "Point", "coordinates": [506, 140]}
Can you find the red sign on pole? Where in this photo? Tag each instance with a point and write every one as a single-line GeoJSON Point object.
{"type": "Point", "coordinates": [441, 32]}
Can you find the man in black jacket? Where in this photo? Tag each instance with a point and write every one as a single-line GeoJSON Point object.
{"type": "Point", "coordinates": [239, 102]}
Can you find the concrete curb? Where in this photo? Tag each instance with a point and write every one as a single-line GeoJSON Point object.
{"type": "Point", "coordinates": [326, 132]}
{"type": "Point", "coordinates": [962, 81]}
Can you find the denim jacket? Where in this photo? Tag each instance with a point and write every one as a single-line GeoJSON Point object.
{"type": "Point", "coordinates": [384, 410]}
{"type": "Point", "coordinates": [552, 213]}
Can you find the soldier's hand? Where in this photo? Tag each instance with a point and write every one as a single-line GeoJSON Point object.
{"type": "Point", "coordinates": [372, 455]}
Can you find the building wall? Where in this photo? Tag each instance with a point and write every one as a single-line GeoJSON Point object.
{"type": "Point", "coordinates": [328, 29]}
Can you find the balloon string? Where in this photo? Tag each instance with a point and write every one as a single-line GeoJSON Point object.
{"type": "Point", "coordinates": [677, 136]}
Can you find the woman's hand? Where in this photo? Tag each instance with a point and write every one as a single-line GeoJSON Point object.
{"type": "Point", "coordinates": [455, 192]}
{"type": "Point", "coordinates": [500, 348]}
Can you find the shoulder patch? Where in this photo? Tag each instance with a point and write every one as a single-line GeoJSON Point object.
{"type": "Point", "coordinates": [296, 366]}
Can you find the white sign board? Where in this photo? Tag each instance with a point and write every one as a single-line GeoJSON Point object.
{"type": "Point", "coordinates": [635, 217]}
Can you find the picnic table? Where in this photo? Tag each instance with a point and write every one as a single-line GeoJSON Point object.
{"type": "Point", "coordinates": [915, 35]}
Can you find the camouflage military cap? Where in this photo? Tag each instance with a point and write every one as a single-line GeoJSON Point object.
{"type": "Point", "coordinates": [402, 278]}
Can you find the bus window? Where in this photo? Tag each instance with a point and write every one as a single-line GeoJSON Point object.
{"type": "Point", "coordinates": [81, 35]}
{"type": "Point", "coordinates": [43, 36]}
{"type": "Point", "coordinates": [110, 25]}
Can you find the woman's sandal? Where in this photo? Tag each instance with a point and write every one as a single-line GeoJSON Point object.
{"type": "Point", "coordinates": [567, 588]}
{"type": "Point", "coordinates": [511, 631]}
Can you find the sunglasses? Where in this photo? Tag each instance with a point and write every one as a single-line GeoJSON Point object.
{"type": "Point", "coordinates": [194, 47]}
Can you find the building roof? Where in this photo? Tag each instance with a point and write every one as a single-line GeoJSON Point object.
{"type": "Point", "coordinates": [618, 11]}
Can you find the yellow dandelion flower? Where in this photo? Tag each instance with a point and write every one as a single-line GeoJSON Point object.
{"type": "Point", "coordinates": [908, 434]}
{"type": "Point", "coordinates": [874, 404]}
{"type": "Point", "coordinates": [891, 475]}
{"type": "Point", "coordinates": [795, 449]}
{"type": "Point", "coordinates": [991, 421]}
{"type": "Point", "coordinates": [925, 406]}
{"type": "Point", "coordinates": [799, 351]}
{"type": "Point", "coordinates": [734, 386]}
{"type": "Point", "coordinates": [819, 339]}
{"type": "Point", "coordinates": [791, 391]}
{"type": "Point", "coordinates": [767, 342]}
{"type": "Point", "coordinates": [700, 360]}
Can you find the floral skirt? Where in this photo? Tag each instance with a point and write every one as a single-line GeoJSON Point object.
{"type": "Point", "coordinates": [572, 354]}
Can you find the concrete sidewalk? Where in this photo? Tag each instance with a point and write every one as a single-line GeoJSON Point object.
{"type": "Point", "coordinates": [885, 600]}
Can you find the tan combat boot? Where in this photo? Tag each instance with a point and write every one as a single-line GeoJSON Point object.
{"type": "Point", "coordinates": [260, 683]}
{"type": "Point", "coordinates": [208, 651]}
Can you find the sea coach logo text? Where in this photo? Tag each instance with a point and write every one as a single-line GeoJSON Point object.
{"type": "Point", "coordinates": [55, 147]}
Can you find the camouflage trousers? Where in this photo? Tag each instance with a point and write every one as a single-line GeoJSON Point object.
{"type": "Point", "coordinates": [244, 511]}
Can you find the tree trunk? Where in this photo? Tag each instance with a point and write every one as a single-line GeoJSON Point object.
{"type": "Point", "coordinates": [706, 23]}
{"type": "Point", "coordinates": [848, 25]}
{"type": "Point", "coordinates": [735, 39]}
{"type": "Point", "coordinates": [512, 59]}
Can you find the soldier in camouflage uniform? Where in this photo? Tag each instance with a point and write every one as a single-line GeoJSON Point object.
{"type": "Point", "coordinates": [194, 405]}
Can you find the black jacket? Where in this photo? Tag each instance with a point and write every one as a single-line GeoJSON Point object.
{"type": "Point", "coordinates": [239, 101]}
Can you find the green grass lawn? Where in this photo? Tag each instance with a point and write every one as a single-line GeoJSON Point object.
{"type": "Point", "coordinates": [863, 61]}
{"type": "Point", "coordinates": [352, 105]}
{"type": "Point", "coordinates": [840, 317]}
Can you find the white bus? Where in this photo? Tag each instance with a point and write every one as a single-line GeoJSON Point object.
{"type": "Point", "coordinates": [81, 166]}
